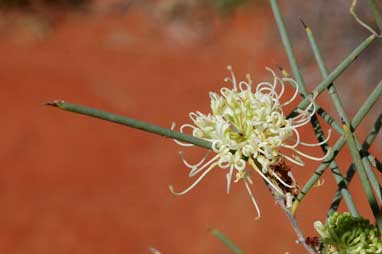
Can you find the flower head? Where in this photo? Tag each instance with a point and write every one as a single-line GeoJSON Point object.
{"type": "Point", "coordinates": [344, 233]}
{"type": "Point", "coordinates": [247, 126]}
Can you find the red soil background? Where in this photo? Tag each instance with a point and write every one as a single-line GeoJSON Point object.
{"type": "Point", "coordinates": [72, 184]}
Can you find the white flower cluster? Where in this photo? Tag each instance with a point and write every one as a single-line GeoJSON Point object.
{"type": "Point", "coordinates": [249, 127]}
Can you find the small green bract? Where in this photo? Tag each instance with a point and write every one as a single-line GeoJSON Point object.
{"type": "Point", "coordinates": [345, 234]}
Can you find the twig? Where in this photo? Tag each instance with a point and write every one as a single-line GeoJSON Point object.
{"type": "Point", "coordinates": [293, 221]}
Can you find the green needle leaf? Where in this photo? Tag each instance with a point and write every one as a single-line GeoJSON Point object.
{"type": "Point", "coordinates": [148, 127]}
{"type": "Point", "coordinates": [362, 112]}
{"type": "Point", "coordinates": [224, 239]}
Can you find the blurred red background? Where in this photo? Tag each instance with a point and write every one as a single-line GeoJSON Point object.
{"type": "Point", "coordinates": [72, 184]}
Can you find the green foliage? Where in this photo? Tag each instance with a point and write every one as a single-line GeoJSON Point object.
{"type": "Point", "coordinates": [225, 240]}
{"type": "Point", "coordinates": [345, 234]}
{"type": "Point", "coordinates": [226, 7]}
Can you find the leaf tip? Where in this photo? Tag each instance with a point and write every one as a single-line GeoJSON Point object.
{"type": "Point", "coordinates": [303, 23]}
{"type": "Point", "coordinates": [54, 103]}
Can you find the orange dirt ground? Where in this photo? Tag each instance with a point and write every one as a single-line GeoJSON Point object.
{"type": "Point", "coordinates": [71, 184]}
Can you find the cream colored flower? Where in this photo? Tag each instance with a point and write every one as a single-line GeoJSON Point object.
{"type": "Point", "coordinates": [247, 126]}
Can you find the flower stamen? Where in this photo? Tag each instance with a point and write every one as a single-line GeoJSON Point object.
{"type": "Point", "coordinates": [194, 183]}
{"type": "Point", "coordinates": [252, 199]}
{"type": "Point", "coordinates": [249, 127]}
{"type": "Point", "coordinates": [320, 143]}
{"type": "Point", "coordinates": [192, 166]}
{"type": "Point", "coordinates": [293, 185]}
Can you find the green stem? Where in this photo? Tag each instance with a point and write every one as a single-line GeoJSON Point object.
{"type": "Point", "coordinates": [131, 123]}
{"type": "Point", "coordinates": [374, 9]}
{"type": "Point", "coordinates": [219, 235]}
{"type": "Point", "coordinates": [340, 180]}
{"type": "Point", "coordinates": [372, 99]}
{"type": "Point", "coordinates": [325, 73]}
{"type": "Point", "coordinates": [371, 136]}
{"type": "Point", "coordinates": [351, 170]}
{"type": "Point", "coordinates": [369, 171]}
{"type": "Point", "coordinates": [351, 137]}
{"type": "Point", "coordinates": [340, 109]}
{"type": "Point", "coordinates": [287, 45]}
{"type": "Point", "coordinates": [302, 88]}
{"type": "Point", "coordinates": [320, 110]}
{"type": "Point", "coordinates": [336, 72]}
{"type": "Point", "coordinates": [329, 120]}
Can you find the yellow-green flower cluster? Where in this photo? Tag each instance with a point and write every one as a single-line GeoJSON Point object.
{"type": "Point", "coordinates": [345, 234]}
